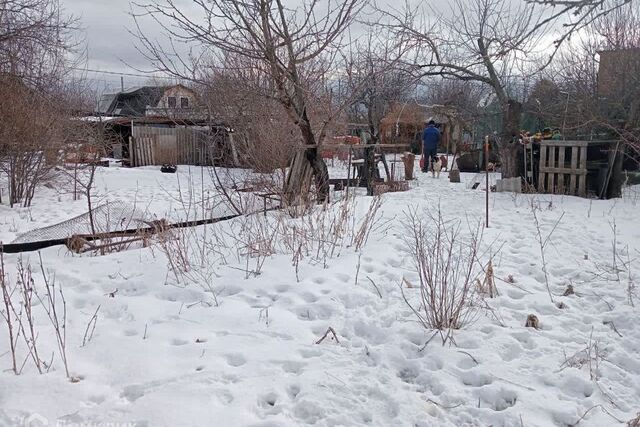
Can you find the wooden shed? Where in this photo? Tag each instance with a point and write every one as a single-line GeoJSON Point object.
{"type": "Point", "coordinates": [188, 145]}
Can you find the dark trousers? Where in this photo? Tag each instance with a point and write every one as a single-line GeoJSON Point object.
{"type": "Point", "coordinates": [430, 156]}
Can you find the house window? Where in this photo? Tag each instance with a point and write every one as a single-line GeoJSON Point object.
{"type": "Point", "coordinates": [184, 102]}
{"type": "Point", "coordinates": [171, 101]}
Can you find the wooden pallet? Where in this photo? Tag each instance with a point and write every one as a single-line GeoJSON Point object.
{"type": "Point", "coordinates": [563, 167]}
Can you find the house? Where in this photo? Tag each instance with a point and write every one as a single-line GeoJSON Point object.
{"type": "Point", "coordinates": [405, 122]}
{"type": "Point", "coordinates": [154, 125]}
{"type": "Point", "coordinates": [175, 101]}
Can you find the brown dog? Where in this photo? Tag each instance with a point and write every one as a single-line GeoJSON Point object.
{"type": "Point", "coordinates": [444, 161]}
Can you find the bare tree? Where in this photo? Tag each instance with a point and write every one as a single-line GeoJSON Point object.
{"type": "Point", "coordinates": [35, 36]}
{"type": "Point", "coordinates": [583, 13]}
{"type": "Point", "coordinates": [30, 137]}
{"type": "Point", "coordinates": [239, 97]}
{"type": "Point", "coordinates": [293, 47]}
{"type": "Point", "coordinates": [376, 79]}
{"type": "Point", "coordinates": [486, 41]}
{"type": "Point", "coordinates": [598, 78]}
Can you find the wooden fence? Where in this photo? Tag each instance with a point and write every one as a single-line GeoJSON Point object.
{"type": "Point", "coordinates": [563, 167]}
{"type": "Point", "coordinates": [173, 145]}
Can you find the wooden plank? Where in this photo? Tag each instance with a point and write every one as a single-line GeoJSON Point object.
{"type": "Point", "coordinates": [550, 176]}
{"type": "Point", "coordinates": [554, 143]}
{"type": "Point", "coordinates": [543, 164]}
{"type": "Point", "coordinates": [582, 179]}
{"type": "Point", "coordinates": [561, 167]}
{"type": "Point", "coordinates": [154, 148]}
{"type": "Point", "coordinates": [565, 171]}
{"type": "Point", "coordinates": [142, 150]}
{"type": "Point", "coordinates": [136, 149]}
{"type": "Point", "coordinates": [148, 151]}
{"type": "Point", "coordinates": [147, 157]}
{"type": "Point", "coordinates": [143, 160]}
{"type": "Point", "coordinates": [574, 170]}
{"type": "Point", "coordinates": [131, 155]}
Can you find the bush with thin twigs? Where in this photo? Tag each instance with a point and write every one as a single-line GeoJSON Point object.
{"type": "Point", "coordinates": [318, 236]}
{"type": "Point", "coordinates": [544, 241]}
{"type": "Point", "coordinates": [447, 266]}
{"type": "Point", "coordinates": [324, 232]}
{"type": "Point", "coordinates": [255, 239]}
{"type": "Point", "coordinates": [590, 356]}
{"type": "Point", "coordinates": [193, 254]}
{"type": "Point", "coordinates": [18, 312]}
{"type": "Point", "coordinates": [620, 268]}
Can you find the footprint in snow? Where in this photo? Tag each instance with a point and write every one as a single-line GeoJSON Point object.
{"type": "Point", "coordinates": [293, 391]}
{"type": "Point", "coordinates": [293, 367]}
{"type": "Point", "coordinates": [282, 288]}
{"type": "Point", "coordinates": [308, 353]}
{"type": "Point", "coordinates": [475, 378]}
{"type": "Point", "coordinates": [309, 297]}
{"type": "Point", "coordinates": [236, 359]}
{"type": "Point", "coordinates": [342, 277]}
{"type": "Point", "coordinates": [497, 398]}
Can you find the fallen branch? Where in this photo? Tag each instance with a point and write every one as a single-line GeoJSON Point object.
{"type": "Point", "coordinates": [375, 286]}
{"type": "Point", "coordinates": [333, 332]}
{"type": "Point", "coordinates": [93, 321]}
{"type": "Point", "coordinates": [469, 354]}
{"type": "Point", "coordinates": [613, 326]}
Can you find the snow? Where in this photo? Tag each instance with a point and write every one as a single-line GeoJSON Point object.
{"type": "Point", "coordinates": [165, 355]}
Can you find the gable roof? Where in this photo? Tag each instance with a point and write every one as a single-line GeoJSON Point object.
{"type": "Point", "coordinates": [131, 102]}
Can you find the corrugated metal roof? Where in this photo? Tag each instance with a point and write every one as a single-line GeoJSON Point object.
{"type": "Point", "coordinates": [104, 104]}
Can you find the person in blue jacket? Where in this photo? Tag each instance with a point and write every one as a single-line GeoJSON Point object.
{"type": "Point", "coordinates": [430, 141]}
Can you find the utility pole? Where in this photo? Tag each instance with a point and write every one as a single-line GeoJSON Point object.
{"type": "Point", "coordinates": [121, 83]}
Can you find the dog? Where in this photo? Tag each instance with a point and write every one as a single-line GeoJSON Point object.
{"type": "Point", "coordinates": [436, 167]}
{"type": "Point", "coordinates": [445, 162]}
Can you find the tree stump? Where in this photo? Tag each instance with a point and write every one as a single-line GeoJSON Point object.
{"type": "Point", "coordinates": [409, 160]}
{"type": "Point", "coordinates": [298, 180]}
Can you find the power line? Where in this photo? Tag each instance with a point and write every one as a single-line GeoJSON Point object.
{"type": "Point", "coordinates": [115, 73]}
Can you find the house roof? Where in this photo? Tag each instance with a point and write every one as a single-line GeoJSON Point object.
{"type": "Point", "coordinates": [131, 102]}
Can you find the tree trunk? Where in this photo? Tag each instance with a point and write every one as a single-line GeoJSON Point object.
{"type": "Point", "coordinates": [508, 142]}
{"type": "Point", "coordinates": [320, 174]}
{"type": "Point", "coordinates": [298, 173]}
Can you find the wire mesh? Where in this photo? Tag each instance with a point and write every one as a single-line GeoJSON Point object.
{"type": "Point", "coordinates": [109, 217]}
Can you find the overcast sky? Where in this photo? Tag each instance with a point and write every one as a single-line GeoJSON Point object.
{"type": "Point", "coordinates": [110, 47]}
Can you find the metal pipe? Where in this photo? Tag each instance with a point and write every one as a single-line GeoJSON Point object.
{"type": "Point", "coordinates": [486, 167]}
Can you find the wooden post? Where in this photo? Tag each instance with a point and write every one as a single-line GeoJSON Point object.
{"type": "Point", "coordinates": [541, 166]}
{"type": "Point", "coordinates": [349, 170]}
{"type": "Point", "coordinates": [574, 166]}
{"type": "Point", "coordinates": [486, 166]}
{"type": "Point", "coordinates": [561, 165]}
{"type": "Point", "coordinates": [369, 162]}
{"type": "Point", "coordinates": [582, 192]}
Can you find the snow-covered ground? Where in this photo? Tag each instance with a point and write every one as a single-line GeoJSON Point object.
{"type": "Point", "coordinates": [176, 197]}
{"type": "Point", "coordinates": [165, 355]}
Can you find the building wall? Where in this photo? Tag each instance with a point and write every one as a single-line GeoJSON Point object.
{"type": "Point", "coordinates": [178, 92]}
{"type": "Point", "coordinates": [618, 72]}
